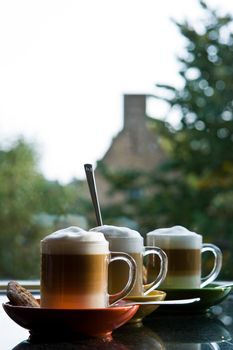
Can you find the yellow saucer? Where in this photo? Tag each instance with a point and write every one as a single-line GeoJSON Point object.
{"type": "Point", "coordinates": [145, 310]}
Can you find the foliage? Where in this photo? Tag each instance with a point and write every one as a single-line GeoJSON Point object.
{"type": "Point", "coordinates": [19, 180]}
{"type": "Point", "coordinates": [202, 147]}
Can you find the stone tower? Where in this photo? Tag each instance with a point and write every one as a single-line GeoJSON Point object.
{"type": "Point", "coordinates": [135, 147]}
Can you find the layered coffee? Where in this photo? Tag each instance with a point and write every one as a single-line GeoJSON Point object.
{"type": "Point", "coordinates": [74, 269]}
{"type": "Point", "coordinates": [183, 249]}
{"type": "Point", "coordinates": [123, 239]}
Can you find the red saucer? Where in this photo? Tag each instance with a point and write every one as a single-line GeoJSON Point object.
{"type": "Point", "coordinates": [71, 322]}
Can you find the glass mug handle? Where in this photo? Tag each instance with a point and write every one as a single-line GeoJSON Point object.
{"type": "Point", "coordinates": [114, 298]}
{"type": "Point", "coordinates": [163, 268]}
{"type": "Point", "coordinates": [208, 247]}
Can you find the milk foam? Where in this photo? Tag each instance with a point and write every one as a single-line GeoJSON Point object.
{"type": "Point", "coordinates": [74, 240]}
{"type": "Point", "coordinates": [121, 239]}
{"type": "Point", "coordinates": [174, 237]}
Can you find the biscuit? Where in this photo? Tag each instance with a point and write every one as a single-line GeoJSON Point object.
{"type": "Point", "coordinates": [20, 296]}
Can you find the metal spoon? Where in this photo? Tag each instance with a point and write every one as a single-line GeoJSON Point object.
{"type": "Point", "coordinates": [93, 191]}
{"type": "Point", "coordinates": [223, 285]}
{"type": "Point", "coordinates": [164, 302]}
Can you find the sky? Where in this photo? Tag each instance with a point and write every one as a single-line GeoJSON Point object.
{"type": "Point", "coordinates": [66, 64]}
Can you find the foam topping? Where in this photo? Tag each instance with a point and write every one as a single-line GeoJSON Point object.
{"type": "Point", "coordinates": [121, 239]}
{"type": "Point", "coordinates": [174, 237]}
{"type": "Point", "coordinates": [74, 240]}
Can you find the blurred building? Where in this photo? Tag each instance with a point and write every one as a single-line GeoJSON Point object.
{"type": "Point", "coordinates": [135, 146]}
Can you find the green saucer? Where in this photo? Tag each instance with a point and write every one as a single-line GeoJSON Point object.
{"type": "Point", "coordinates": [209, 296]}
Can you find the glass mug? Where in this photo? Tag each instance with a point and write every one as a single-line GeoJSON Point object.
{"type": "Point", "coordinates": [123, 239]}
{"type": "Point", "coordinates": [184, 250]}
{"type": "Point", "coordinates": [74, 270]}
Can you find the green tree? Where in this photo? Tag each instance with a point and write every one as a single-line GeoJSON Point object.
{"type": "Point", "coordinates": [19, 236]}
{"type": "Point", "coordinates": [201, 148]}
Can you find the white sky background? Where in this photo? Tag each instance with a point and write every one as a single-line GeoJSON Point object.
{"type": "Point", "coordinates": [65, 65]}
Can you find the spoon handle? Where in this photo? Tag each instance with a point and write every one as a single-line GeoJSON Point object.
{"type": "Point", "coordinates": [93, 191]}
{"type": "Point", "coordinates": [223, 285]}
{"type": "Point", "coordinates": [164, 302]}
